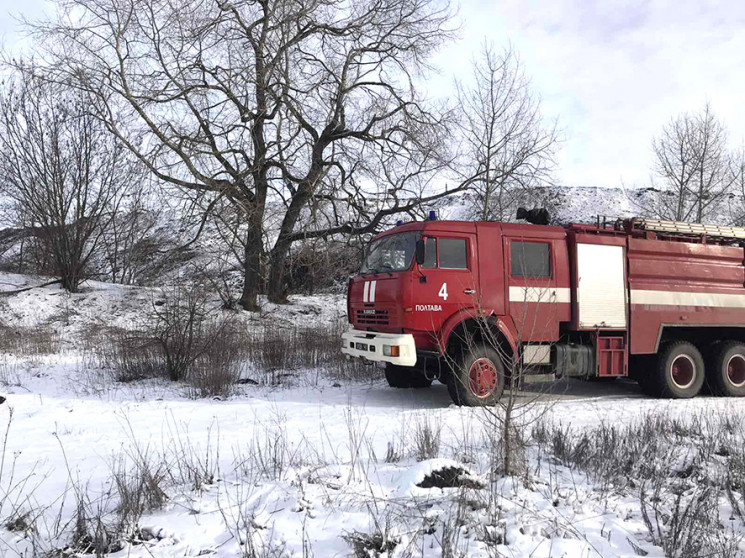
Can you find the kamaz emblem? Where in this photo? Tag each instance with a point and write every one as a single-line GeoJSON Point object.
{"type": "Point", "coordinates": [428, 308]}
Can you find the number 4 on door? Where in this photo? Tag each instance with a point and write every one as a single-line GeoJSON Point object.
{"type": "Point", "coordinates": [443, 294]}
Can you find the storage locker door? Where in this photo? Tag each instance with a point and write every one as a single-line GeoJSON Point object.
{"type": "Point", "coordinates": [601, 286]}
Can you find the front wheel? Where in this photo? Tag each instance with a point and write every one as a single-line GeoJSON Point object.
{"type": "Point", "coordinates": [478, 380]}
{"type": "Point", "coordinates": [680, 371]}
{"type": "Point", "coordinates": [726, 372]}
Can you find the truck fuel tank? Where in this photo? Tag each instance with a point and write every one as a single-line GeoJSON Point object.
{"type": "Point", "coordinates": [574, 360]}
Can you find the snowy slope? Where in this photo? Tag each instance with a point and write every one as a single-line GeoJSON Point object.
{"type": "Point", "coordinates": [583, 204]}
{"type": "Point", "coordinates": [105, 305]}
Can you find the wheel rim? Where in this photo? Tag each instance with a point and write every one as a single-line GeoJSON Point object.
{"type": "Point", "coordinates": [736, 370]}
{"type": "Point", "coordinates": [683, 371]}
{"type": "Point", "coordinates": [482, 377]}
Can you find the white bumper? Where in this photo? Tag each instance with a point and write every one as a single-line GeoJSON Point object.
{"type": "Point", "coordinates": [369, 345]}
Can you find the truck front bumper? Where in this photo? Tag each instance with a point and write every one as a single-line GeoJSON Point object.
{"type": "Point", "coordinates": [372, 346]}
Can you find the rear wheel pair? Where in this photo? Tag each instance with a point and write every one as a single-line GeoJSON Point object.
{"type": "Point", "coordinates": [680, 372]}
{"type": "Point", "coordinates": [725, 373]}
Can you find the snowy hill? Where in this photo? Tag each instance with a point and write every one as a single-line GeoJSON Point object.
{"type": "Point", "coordinates": [583, 204]}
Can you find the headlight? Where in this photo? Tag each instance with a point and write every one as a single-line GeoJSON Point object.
{"type": "Point", "coordinates": [391, 350]}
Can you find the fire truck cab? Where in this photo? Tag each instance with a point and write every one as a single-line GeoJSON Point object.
{"type": "Point", "coordinates": [479, 304]}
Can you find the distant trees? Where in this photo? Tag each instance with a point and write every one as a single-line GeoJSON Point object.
{"type": "Point", "coordinates": [61, 171]}
{"type": "Point", "coordinates": [738, 171]}
{"type": "Point", "coordinates": [693, 167]}
{"type": "Point", "coordinates": [303, 117]}
{"type": "Point", "coordinates": [507, 147]}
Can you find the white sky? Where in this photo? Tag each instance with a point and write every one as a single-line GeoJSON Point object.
{"type": "Point", "coordinates": [612, 72]}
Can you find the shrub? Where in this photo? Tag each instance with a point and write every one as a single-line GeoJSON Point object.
{"type": "Point", "coordinates": [183, 338]}
{"type": "Point", "coordinates": [133, 358]}
{"type": "Point", "coordinates": [182, 327]}
{"type": "Point", "coordinates": [28, 341]}
{"type": "Point", "coordinates": [427, 438]}
{"type": "Point", "coordinates": [273, 349]}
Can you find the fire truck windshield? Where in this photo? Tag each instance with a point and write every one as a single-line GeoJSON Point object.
{"type": "Point", "coordinates": [391, 253]}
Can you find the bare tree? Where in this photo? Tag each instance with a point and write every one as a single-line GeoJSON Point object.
{"type": "Point", "coordinates": [267, 105]}
{"type": "Point", "coordinates": [737, 197]}
{"type": "Point", "coordinates": [694, 167]}
{"type": "Point", "coordinates": [506, 143]}
{"type": "Point", "coordinates": [143, 242]}
{"type": "Point", "coordinates": [61, 170]}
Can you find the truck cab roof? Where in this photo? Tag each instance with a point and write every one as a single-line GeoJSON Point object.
{"type": "Point", "coordinates": [550, 231]}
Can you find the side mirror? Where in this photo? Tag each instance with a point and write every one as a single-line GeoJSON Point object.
{"type": "Point", "coordinates": [419, 253]}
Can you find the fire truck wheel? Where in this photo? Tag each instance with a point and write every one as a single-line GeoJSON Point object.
{"type": "Point", "coordinates": [680, 371]}
{"type": "Point", "coordinates": [405, 377]}
{"type": "Point", "coordinates": [479, 380]}
{"type": "Point", "coordinates": [725, 374]}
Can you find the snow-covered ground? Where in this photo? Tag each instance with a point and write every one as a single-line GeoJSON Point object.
{"type": "Point", "coordinates": [313, 468]}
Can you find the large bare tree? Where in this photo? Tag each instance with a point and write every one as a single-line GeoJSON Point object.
{"type": "Point", "coordinates": [271, 106]}
{"type": "Point", "coordinates": [507, 146]}
{"type": "Point", "coordinates": [61, 170]}
{"type": "Point", "coordinates": [693, 166]}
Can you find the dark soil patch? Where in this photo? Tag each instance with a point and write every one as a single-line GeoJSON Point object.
{"type": "Point", "coordinates": [450, 477]}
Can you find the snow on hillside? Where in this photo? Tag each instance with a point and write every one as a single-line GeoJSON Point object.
{"type": "Point", "coordinates": [120, 306]}
{"type": "Point", "coordinates": [317, 467]}
{"type": "Point", "coordinates": [583, 204]}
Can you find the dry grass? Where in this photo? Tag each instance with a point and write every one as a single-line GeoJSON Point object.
{"type": "Point", "coordinates": [29, 341]}
{"type": "Point", "coordinates": [680, 468]}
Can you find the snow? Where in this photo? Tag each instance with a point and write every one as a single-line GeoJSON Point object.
{"type": "Point", "coordinates": [100, 304]}
{"type": "Point", "coordinates": [294, 470]}
{"type": "Point", "coordinates": [585, 204]}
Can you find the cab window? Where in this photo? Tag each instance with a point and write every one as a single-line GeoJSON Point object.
{"type": "Point", "coordinates": [530, 259]}
{"type": "Point", "coordinates": [453, 253]}
{"type": "Point", "coordinates": [445, 253]}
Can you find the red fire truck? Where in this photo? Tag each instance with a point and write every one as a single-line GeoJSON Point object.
{"type": "Point", "coordinates": [470, 303]}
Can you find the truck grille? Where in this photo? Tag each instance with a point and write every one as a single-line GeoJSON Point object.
{"type": "Point", "coordinates": [372, 316]}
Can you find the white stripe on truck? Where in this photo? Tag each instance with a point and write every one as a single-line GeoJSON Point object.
{"type": "Point", "coordinates": [671, 298]}
{"type": "Point", "coordinates": [368, 295]}
{"type": "Point", "coordinates": [540, 294]}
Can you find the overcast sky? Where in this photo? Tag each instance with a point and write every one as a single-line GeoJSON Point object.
{"type": "Point", "coordinates": [612, 72]}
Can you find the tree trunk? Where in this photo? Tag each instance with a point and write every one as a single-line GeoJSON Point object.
{"type": "Point", "coordinates": [277, 262]}
{"type": "Point", "coordinates": [278, 256]}
{"type": "Point", "coordinates": [252, 270]}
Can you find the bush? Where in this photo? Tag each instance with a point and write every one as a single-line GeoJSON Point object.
{"type": "Point", "coordinates": [182, 327]}
{"type": "Point", "coordinates": [321, 265]}
{"type": "Point", "coordinates": [133, 358]}
{"type": "Point", "coordinates": [274, 349]}
{"type": "Point", "coordinates": [219, 368]}
{"type": "Point", "coordinates": [28, 341]}
{"type": "Point", "coordinates": [187, 336]}
{"type": "Point", "coordinates": [183, 339]}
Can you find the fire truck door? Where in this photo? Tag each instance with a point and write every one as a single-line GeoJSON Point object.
{"type": "Point", "coordinates": [530, 268]}
{"type": "Point", "coordinates": [447, 279]}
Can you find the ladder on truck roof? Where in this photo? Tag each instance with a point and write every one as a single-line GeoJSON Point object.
{"type": "Point", "coordinates": [689, 229]}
